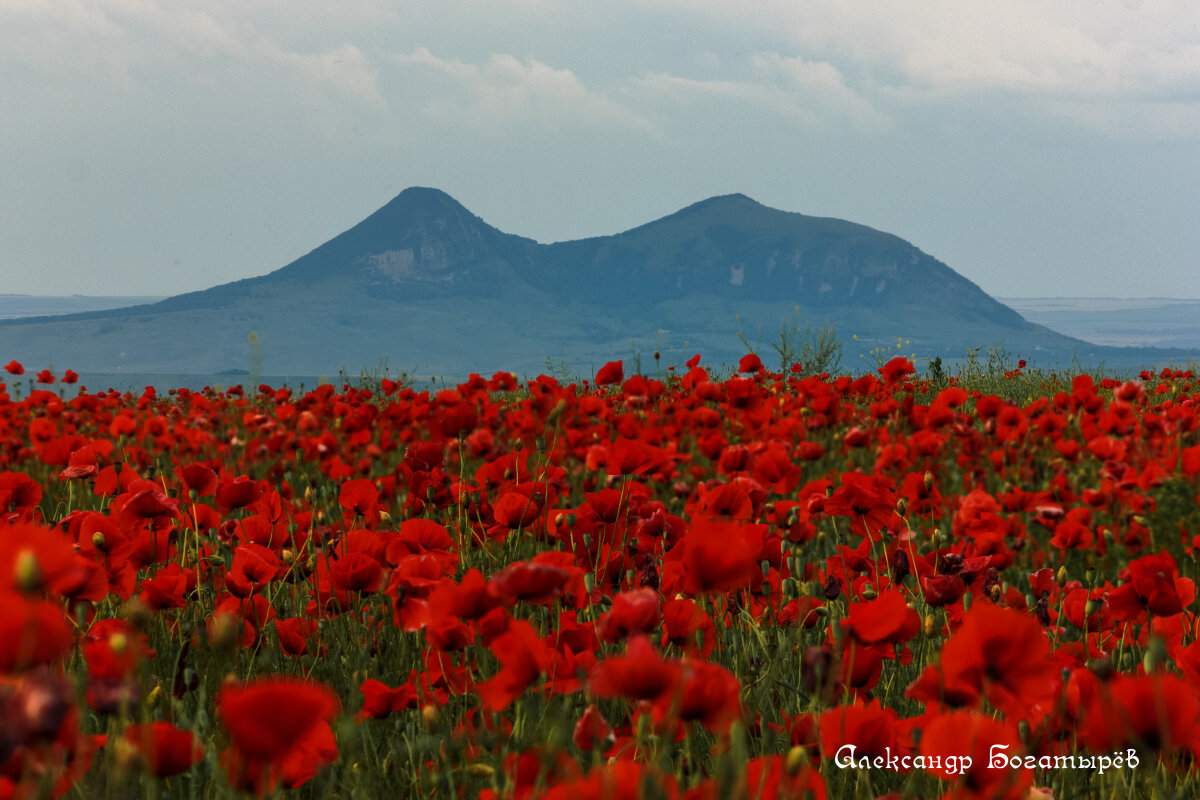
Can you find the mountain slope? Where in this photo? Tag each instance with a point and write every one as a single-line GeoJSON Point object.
{"type": "Point", "coordinates": [426, 285]}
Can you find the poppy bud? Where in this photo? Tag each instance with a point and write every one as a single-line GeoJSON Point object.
{"type": "Point", "coordinates": [967, 600]}
{"type": "Point", "coordinates": [902, 506]}
{"type": "Point", "coordinates": [429, 717]}
{"type": "Point", "coordinates": [118, 642]}
{"type": "Point", "coordinates": [796, 760]}
{"type": "Point", "coordinates": [1156, 655]}
{"type": "Point", "coordinates": [127, 756]}
{"type": "Point", "coordinates": [224, 631]}
{"type": "Point", "coordinates": [927, 482]}
{"type": "Point", "coordinates": [99, 542]}
{"type": "Point", "coordinates": [1042, 610]}
{"type": "Point", "coordinates": [930, 626]}
{"type": "Point", "coordinates": [901, 569]}
{"type": "Point", "coordinates": [1061, 577]}
{"type": "Point", "coordinates": [29, 571]}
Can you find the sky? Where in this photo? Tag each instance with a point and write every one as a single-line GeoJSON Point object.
{"type": "Point", "coordinates": [1038, 148]}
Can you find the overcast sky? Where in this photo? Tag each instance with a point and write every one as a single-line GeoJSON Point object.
{"type": "Point", "coordinates": [1038, 148]}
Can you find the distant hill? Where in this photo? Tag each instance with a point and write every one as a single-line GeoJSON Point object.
{"type": "Point", "coordinates": [25, 305]}
{"type": "Point", "coordinates": [426, 286]}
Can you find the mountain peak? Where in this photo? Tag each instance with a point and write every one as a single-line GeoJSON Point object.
{"type": "Point", "coordinates": [425, 202]}
{"type": "Point", "coordinates": [724, 203]}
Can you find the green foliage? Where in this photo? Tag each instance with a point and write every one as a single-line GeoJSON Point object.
{"type": "Point", "coordinates": [816, 350]}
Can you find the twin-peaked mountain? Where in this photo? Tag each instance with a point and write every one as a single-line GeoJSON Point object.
{"type": "Point", "coordinates": [428, 287]}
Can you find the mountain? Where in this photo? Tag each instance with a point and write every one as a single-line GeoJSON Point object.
{"type": "Point", "coordinates": [428, 287]}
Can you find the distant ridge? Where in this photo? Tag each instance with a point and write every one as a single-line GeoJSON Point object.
{"type": "Point", "coordinates": [427, 286]}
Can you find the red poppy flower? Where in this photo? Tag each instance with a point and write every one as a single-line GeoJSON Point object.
{"type": "Point", "coordinates": [683, 620]}
{"type": "Point", "coordinates": [640, 674]}
{"type": "Point", "coordinates": [294, 634]}
{"type": "Point", "coordinates": [1004, 656]}
{"type": "Point", "coordinates": [718, 556]}
{"type": "Point", "coordinates": [356, 572]}
{"type": "Point", "coordinates": [750, 363]}
{"type": "Point", "coordinates": [611, 373]}
{"type": "Point", "coordinates": [704, 692]}
{"type": "Point", "coordinates": [253, 567]}
{"type": "Point", "coordinates": [19, 496]}
{"type": "Point", "coordinates": [198, 478]}
{"type": "Point", "coordinates": [523, 656]}
{"type": "Point", "coordinates": [469, 599]}
{"type": "Point", "coordinates": [1154, 585]}
{"type": "Point", "coordinates": [267, 718]}
{"type": "Point", "coordinates": [592, 730]}
{"type": "Point", "coordinates": [381, 700]}
{"type": "Point", "coordinates": [32, 632]}
{"type": "Point", "coordinates": [237, 493]}
{"type": "Point", "coordinates": [529, 580]}
{"type": "Point", "coordinates": [14, 368]}
{"type": "Point", "coordinates": [871, 729]}
{"type": "Point", "coordinates": [885, 620]}
{"type": "Point", "coordinates": [617, 779]}
{"type": "Point", "coordinates": [34, 558]}
{"type": "Point", "coordinates": [631, 613]}
{"type": "Point", "coordinates": [360, 498]}
{"type": "Point", "coordinates": [948, 740]}
{"type": "Point", "coordinates": [45, 376]}
{"type": "Point", "coordinates": [112, 649]}
{"type": "Point", "coordinates": [868, 500]}
{"type": "Point", "coordinates": [1156, 711]}
{"type": "Point", "coordinates": [896, 369]}
{"type": "Point", "coordinates": [167, 750]}
{"type": "Point", "coordinates": [771, 778]}
{"type": "Point", "coordinates": [517, 509]}
{"type": "Point", "coordinates": [169, 588]}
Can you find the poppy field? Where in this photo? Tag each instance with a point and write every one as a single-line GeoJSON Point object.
{"type": "Point", "coordinates": [692, 586]}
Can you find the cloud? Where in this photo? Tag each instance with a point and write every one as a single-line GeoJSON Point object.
{"type": "Point", "coordinates": [135, 43]}
{"type": "Point", "coordinates": [1070, 45]}
{"type": "Point", "coordinates": [504, 92]}
{"type": "Point", "coordinates": [810, 94]}
{"type": "Point", "coordinates": [344, 71]}
{"type": "Point", "coordinates": [1069, 54]}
